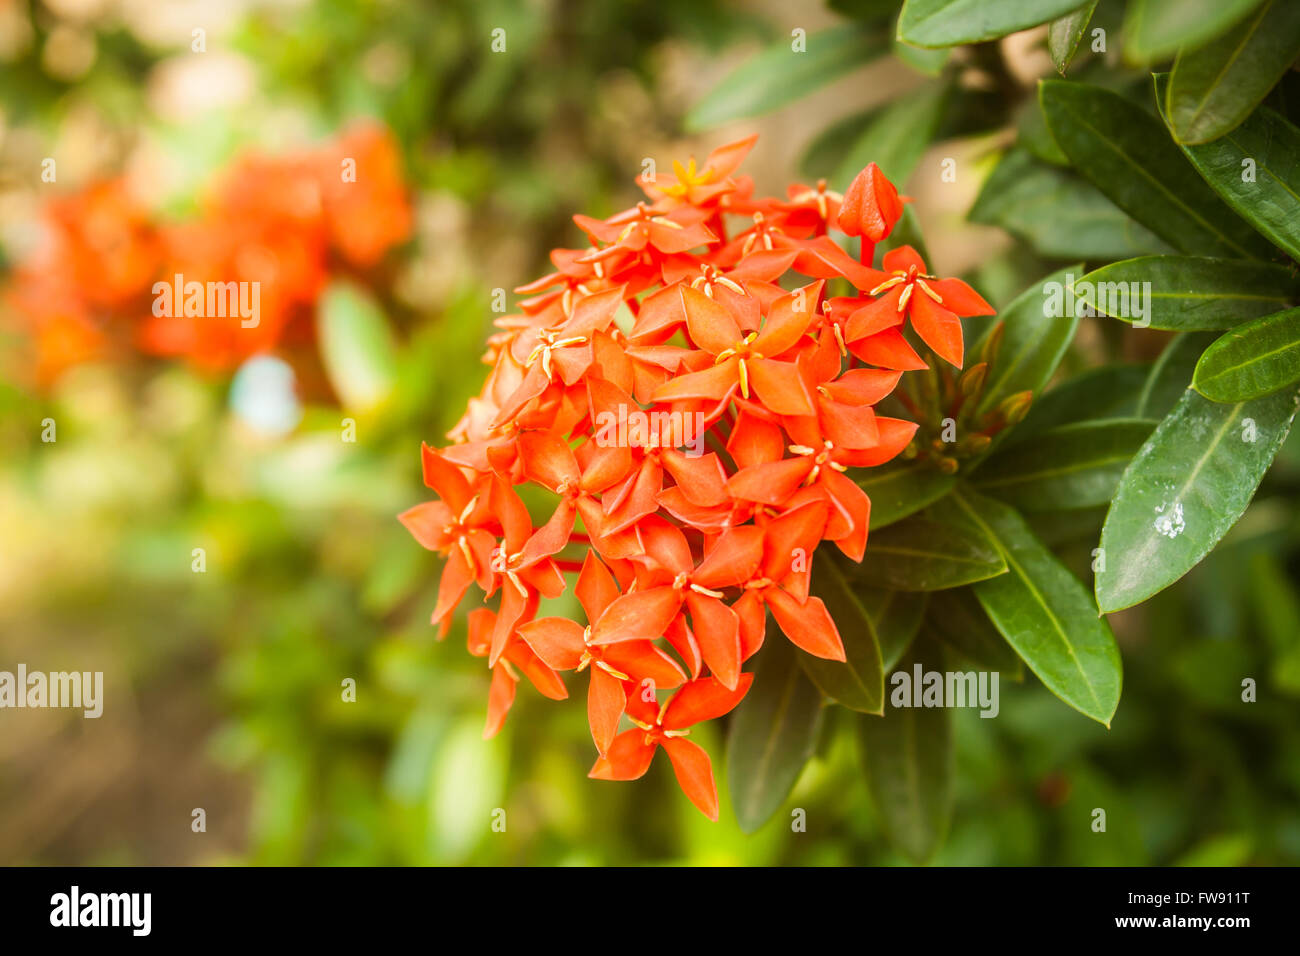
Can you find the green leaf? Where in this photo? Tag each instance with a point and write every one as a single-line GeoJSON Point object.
{"type": "Point", "coordinates": [1266, 150]}
{"type": "Point", "coordinates": [859, 681]}
{"type": "Point", "coordinates": [920, 554]}
{"type": "Point", "coordinates": [1188, 485]}
{"type": "Point", "coordinates": [1058, 213]}
{"type": "Point", "coordinates": [1064, 34]}
{"type": "Point", "coordinates": [927, 61]}
{"type": "Point", "coordinates": [1155, 29]}
{"type": "Point", "coordinates": [779, 75]}
{"type": "Point", "coordinates": [1033, 135]}
{"type": "Point", "coordinates": [897, 618]}
{"type": "Point", "coordinates": [897, 491]}
{"type": "Point", "coordinates": [1045, 613]}
{"type": "Point", "coordinates": [1252, 360]}
{"type": "Point", "coordinates": [1108, 391]}
{"type": "Point", "coordinates": [1070, 466]}
{"type": "Point", "coordinates": [951, 22]}
{"type": "Point", "coordinates": [897, 136]}
{"type": "Point", "coordinates": [1039, 326]}
{"type": "Point", "coordinates": [890, 619]}
{"type": "Point", "coordinates": [1214, 87]}
{"type": "Point", "coordinates": [908, 758]}
{"type": "Point", "coordinates": [958, 619]}
{"type": "Point", "coordinates": [773, 734]}
{"type": "Point", "coordinates": [1128, 155]}
{"type": "Point", "coordinates": [831, 145]}
{"type": "Point", "coordinates": [1171, 375]}
{"type": "Point", "coordinates": [356, 346]}
{"type": "Point", "coordinates": [1189, 293]}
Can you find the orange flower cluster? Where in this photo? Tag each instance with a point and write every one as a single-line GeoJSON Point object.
{"type": "Point", "coordinates": [697, 420]}
{"type": "Point", "coordinates": [286, 223]}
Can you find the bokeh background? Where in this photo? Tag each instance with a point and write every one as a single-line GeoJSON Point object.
{"type": "Point", "coordinates": [223, 687]}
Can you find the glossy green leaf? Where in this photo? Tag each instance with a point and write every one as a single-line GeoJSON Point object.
{"type": "Point", "coordinates": [1171, 375]}
{"type": "Point", "coordinates": [1045, 613]}
{"type": "Point", "coordinates": [780, 75]}
{"type": "Point", "coordinates": [1252, 360]}
{"type": "Point", "coordinates": [1057, 213]}
{"type": "Point", "coordinates": [773, 734]}
{"type": "Point", "coordinates": [1039, 326]}
{"type": "Point", "coordinates": [898, 490]}
{"type": "Point", "coordinates": [950, 22]}
{"type": "Point", "coordinates": [1128, 155]}
{"type": "Point", "coordinates": [1256, 169]}
{"type": "Point", "coordinates": [1187, 486]}
{"type": "Point", "coordinates": [908, 757]}
{"type": "Point", "coordinates": [859, 681]}
{"type": "Point", "coordinates": [1214, 87]}
{"type": "Point", "coordinates": [1155, 29]}
{"type": "Point", "coordinates": [1064, 34]}
{"type": "Point", "coordinates": [1108, 391]}
{"type": "Point", "coordinates": [1070, 466]}
{"type": "Point", "coordinates": [897, 136]}
{"type": "Point", "coordinates": [356, 346]}
{"type": "Point", "coordinates": [957, 618]}
{"type": "Point", "coordinates": [920, 554]}
{"type": "Point", "coordinates": [1188, 293]}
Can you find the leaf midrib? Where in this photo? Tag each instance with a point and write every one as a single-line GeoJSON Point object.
{"type": "Point", "coordinates": [1161, 187]}
{"type": "Point", "coordinates": [1058, 629]}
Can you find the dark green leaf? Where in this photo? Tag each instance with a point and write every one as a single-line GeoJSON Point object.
{"type": "Point", "coordinates": [1032, 133]}
{"type": "Point", "coordinates": [1070, 466]}
{"type": "Point", "coordinates": [1058, 213]}
{"type": "Point", "coordinates": [1182, 492]}
{"type": "Point", "coordinates": [897, 616]}
{"type": "Point", "coordinates": [1155, 29]}
{"type": "Point", "coordinates": [1045, 613]}
{"type": "Point", "coordinates": [1256, 169]}
{"type": "Point", "coordinates": [958, 619]}
{"type": "Point", "coordinates": [1128, 155]}
{"type": "Point", "coordinates": [779, 75]}
{"type": "Point", "coordinates": [1252, 360]}
{"type": "Point", "coordinates": [1064, 34]}
{"type": "Point", "coordinates": [1171, 375]}
{"type": "Point", "coordinates": [1214, 87]}
{"type": "Point", "coordinates": [920, 554]}
{"type": "Point", "coordinates": [897, 491]}
{"type": "Point", "coordinates": [773, 734]}
{"type": "Point", "coordinates": [908, 757]}
{"type": "Point", "coordinates": [1189, 293]}
{"type": "Point", "coordinates": [950, 22]}
{"type": "Point", "coordinates": [1109, 391]}
{"type": "Point", "coordinates": [859, 681]}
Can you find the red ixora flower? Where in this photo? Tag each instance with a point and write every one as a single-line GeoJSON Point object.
{"type": "Point", "coordinates": [694, 401]}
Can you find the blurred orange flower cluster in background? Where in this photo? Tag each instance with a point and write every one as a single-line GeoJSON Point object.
{"type": "Point", "coordinates": [286, 222]}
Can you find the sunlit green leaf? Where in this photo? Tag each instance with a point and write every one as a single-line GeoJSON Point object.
{"type": "Point", "coordinates": [1252, 360]}
{"type": "Point", "coordinates": [1187, 486]}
